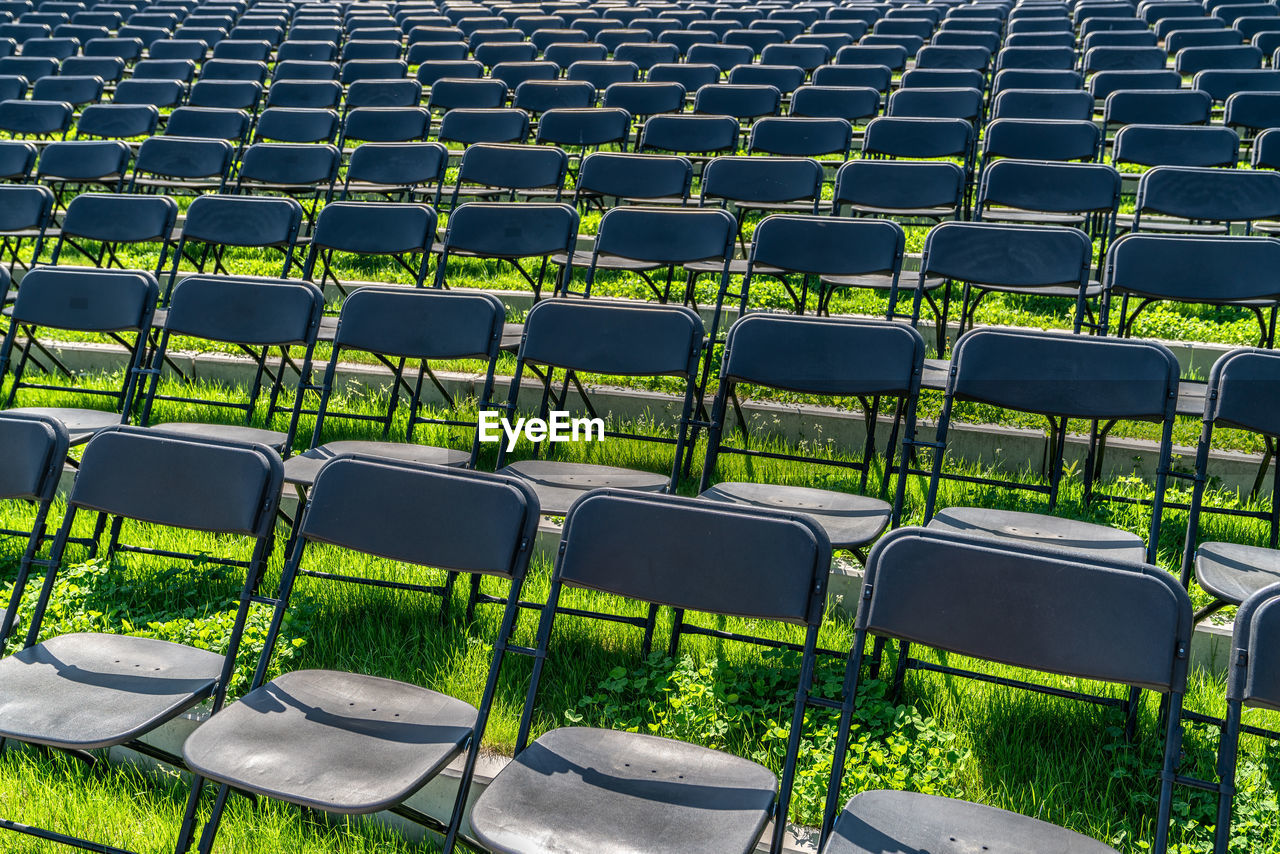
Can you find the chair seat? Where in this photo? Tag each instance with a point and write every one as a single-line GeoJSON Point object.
{"type": "Point", "coordinates": [1091, 289]}
{"type": "Point", "coordinates": [737, 267]}
{"type": "Point", "coordinates": [590, 791]}
{"type": "Point", "coordinates": [559, 484]}
{"type": "Point", "coordinates": [511, 335]}
{"type": "Point", "coordinates": [879, 281]}
{"type": "Point", "coordinates": [1017, 215]}
{"type": "Point", "coordinates": [225, 432]}
{"type": "Point", "coordinates": [849, 520]}
{"type": "Point", "coordinates": [303, 468]}
{"type": "Point", "coordinates": [1042, 530]}
{"type": "Point", "coordinates": [339, 742]}
{"type": "Point", "coordinates": [87, 691]}
{"type": "Point", "coordinates": [328, 329]}
{"type": "Point", "coordinates": [935, 374]}
{"type": "Point", "coordinates": [1191, 395]}
{"type": "Point", "coordinates": [881, 821]}
{"type": "Point", "coordinates": [81, 424]}
{"type": "Point", "coordinates": [606, 262]}
{"type": "Point", "coordinates": [1234, 572]}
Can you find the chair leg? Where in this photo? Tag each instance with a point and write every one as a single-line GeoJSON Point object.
{"type": "Point", "coordinates": [215, 819]}
{"type": "Point", "coordinates": [187, 833]}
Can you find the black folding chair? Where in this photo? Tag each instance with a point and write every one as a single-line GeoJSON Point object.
{"type": "Point", "coordinates": [600, 789]}
{"type": "Point", "coordinates": [402, 736]}
{"type": "Point", "coordinates": [399, 326]}
{"type": "Point", "coordinates": [1239, 397]}
{"type": "Point", "coordinates": [111, 221]}
{"type": "Point", "coordinates": [396, 171]}
{"type": "Point", "coordinates": [215, 224]}
{"type": "Point", "coordinates": [37, 448]}
{"type": "Point", "coordinates": [1134, 626]}
{"type": "Point", "coordinates": [110, 690]}
{"type": "Point", "coordinates": [580, 337]}
{"type": "Point", "coordinates": [17, 160]}
{"type": "Point", "coordinates": [1081, 195]}
{"type": "Point", "coordinates": [1062, 377]}
{"type": "Point", "coordinates": [307, 172]}
{"type": "Point", "coordinates": [1205, 270]}
{"type": "Point", "coordinates": [1175, 145]}
{"type": "Point", "coordinates": [400, 232]}
{"type": "Point", "coordinates": [255, 316]}
{"type": "Point", "coordinates": [625, 177]}
{"type": "Point", "coordinates": [811, 356]}
{"type": "Point", "coordinates": [511, 232]}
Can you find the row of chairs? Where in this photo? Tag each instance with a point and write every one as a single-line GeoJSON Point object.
{"type": "Point", "coordinates": [355, 744]}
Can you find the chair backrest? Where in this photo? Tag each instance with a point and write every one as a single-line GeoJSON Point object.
{"type": "Point", "coordinates": [895, 136]}
{"type": "Point", "coordinates": [1191, 269]}
{"type": "Point", "coordinates": [255, 312]}
{"type": "Point", "coordinates": [281, 163]}
{"type": "Point", "coordinates": [86, 300]}
{"type": "Point", "coordinates": [115, 218]}
{"type": "Point", "coordinates": [1169, 145]}
{"type": "Point", "coordinates": [1222, 83]}
{"type": "Point", "coordinates": [634, 176]}
{"type": "Point", "coordinates": [208, 123]}
{"type": "Point", "coordinates": [35, 118]}
{"type": "Point", "coordinates": [148, 475]}
{"type": "Point", "coordinates": [84, 160]}
{"type": "Point", "coordinates": [421, 323]}
{"type": "Point", "coordinates": [589, 127]}
{"type": "Point", "coordinates": [1007, 255]}
{"type": "Point", "coordinates": [644, 99]}
{"type": "Point", "coordinates": [489, 125]}
{"type": "Point", "coordinates": [683, 552]}
{"type": "Point", "coordinates": [288, 124]}
{"type": "Point", "coordinates": [689, 134]}
{"type": "Point", "coordinates": [512, 166]}
{"type": "Point", "coordinates": [1053, 187]}
{"type": "Point", "coordinates": [1060, 374]}
{"type": "Point", "coordinates": [763, 180]}
{"type": "Point", "coordinates": [791, 136]}
{"type": "Point", "coordinates": [481, 523]}
{"type": "Point", "coordinates": [1253, 677]}
{"type": "Point", "coordinates": [1042, 139]}
{"type": "Point", "coordinates": [372, 228]}
{"type": "Point", "coordinates": [887, 185]}
{"type": "Point", "coordinates": [844, 102]}
{"type": "Point", "coordinates": [394, 164]}
{"type": "Point", "coordinates": [509, 230]}
{"type": "Point", "coordinates": [386, 124]}
{"type": "Point", "coordinates": [17, 159]}
{"type": "Point", "coordinates": [613, 338]}
{"type": "Point", "coordinates": [940, 103]}
{"type": "Point", "coordinates": [1133, 620]}
{"type": "Point", "coordinates": [243, 220]}
{"type": "Point", "coordinates": [1060, 104]}
{"type": "Point", "coordinates": [1160, 107]}
{"type": "Point", "coordinates": [1217, 195]}
{"type": "Point", "coordinates": [384, 93]}
{"type": "Point", "coordinates": [738, 100]}
{"type": "Point", "coordinates": [828, 246]}
{"type": "Point", "coordinates": [666, 235]}
{"type": "Point", "coordinates": [538, 96]}
{"type": "Point", "coordinates": [36, 448]}
{"type": "Point", "coordinates": [179, 157]}
{"type": "Point", "coordinates": [25, 207]}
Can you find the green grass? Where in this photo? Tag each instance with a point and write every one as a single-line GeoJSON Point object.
{"type": "Point", "coordinates": [1054, 759]}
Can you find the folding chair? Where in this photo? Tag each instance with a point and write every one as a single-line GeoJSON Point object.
{"type": "Point", "coordinates": [915, 194]}
{"type": "Point", "coordinates": [1159, 107]}
{"type": "Point", "coordinates": [215, 223]}
{"type": "Point", "coordinates": [1204, 270]}
{"type": "Point", "coordinates": [984, 258]}
{"type": "Point", "coordinates": [613, 338]}
{"type": "Point", "coordinates": [598, 788]}
{"type": "Point", "coordinates": [254, 316]}
{"type": "Point", "coordinates": [117, 305]}
{"type": "Point", "coordinates": [300, 171]}
{"type": "Point", "coordinates": [919, 138]}
{"type": "Point", "coordinates": [74, 90]}
{"type": "Point", "coordinates": [1237, 397]}
{"type": "Point", "coordinates": [492, 171]}
{"type": "Point", "coordinates": [161, 94]}
{"type": "Point", "coordinates": [1205, 201]}
{"type": "Point", "coordinates": [285, 124]}
{"type": "Point", "coordinates": [1139, 626]}
{"type": "Point", "coordinates": [1040, 139]}
{"type": "Point", "coordinates": [385, 124]}
{"type": "Point", "coordinates": [109, 690]}
{"type": "Point", "coordinates": [810, 356]}
{"type": "Point", "coordinates": [111, 221]}
{"type": "Point", "coordinates": [1081, 195]}
{"type": "Point", "coordinates": [395, 231]}
{"type": "Point", "coordinates": [1062, 377]}
{"type": "Point", "coordinates": [30, 473]}
{"type": "Point", "coordinates": [359, 769]}
{"type": "Point", "coordinates": [696, 137]}
{"type": "Point", "coordinates": [226, 94]}
{"type": "Point", "coordinates": [510, 232]}
{"type": "Point", "coordinates": [172, 164]}
{"type": "Point", "coordinates": [399, 327]}
{"type": "Point", "coordinates": [209, 123]}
